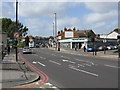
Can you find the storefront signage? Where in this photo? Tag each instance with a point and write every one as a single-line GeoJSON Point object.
{"type": "Point", "coordinates": [79, 39]}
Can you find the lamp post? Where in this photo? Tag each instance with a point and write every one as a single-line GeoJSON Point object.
{"type": "Point", "coordinates": [92, 39]}
{"type": "Point", "coordinates": [104, 42]}
{"type": "Point", "coordinates": [16, 29]}
{"type": "Point", "coordinates": [56, 30]}
{"type": "Point", "coordinates": [53, 29]}
{"type": "Point", "coordinates": [55, 25]}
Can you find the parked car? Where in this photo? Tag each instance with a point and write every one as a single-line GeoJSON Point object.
{"type": "Point", "coordinates": [89, 49]}
{"type": "Point", "coordinates": [115, 47]}
{"type": "Point", "coordinates": [100, 48]}
{"type": "Point", "coordinates": [37, 45]}
{"type": "Point", "coordinates": [110, 47]}
{"type": "Point", "coordinates": [27, 50]}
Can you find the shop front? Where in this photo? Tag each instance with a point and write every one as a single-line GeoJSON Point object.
{"type": "Point", "coordinates": [73, 43]}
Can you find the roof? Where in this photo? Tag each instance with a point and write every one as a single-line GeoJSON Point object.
{"type": "Point", "coordinates": [116, 30]}
{"type": "Point", "coordinates": [82, 32]}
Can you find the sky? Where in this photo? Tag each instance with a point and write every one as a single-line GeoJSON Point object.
{"type": "Point", "coordinates": [38, 16]}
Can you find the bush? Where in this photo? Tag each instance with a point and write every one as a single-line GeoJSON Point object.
{"type": "Point", "coordinates": [20, 45]}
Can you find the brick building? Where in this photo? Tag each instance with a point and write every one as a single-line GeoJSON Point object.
{"type": "Point", "coordinates": [69, 33]}
{"type": "Point", "coordinates": [72, 38]}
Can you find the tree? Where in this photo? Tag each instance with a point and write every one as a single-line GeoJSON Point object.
{"type": "Point", "coordinates": [9, 27]}
{"type": "Point", "coordinates": [51, 37]}
{"type": "Point", "coordinates": [90, 34]}
{"type": "Point", "coordinates": [117, 30]}
{"type": "Point", "coordinates": [27, 41]}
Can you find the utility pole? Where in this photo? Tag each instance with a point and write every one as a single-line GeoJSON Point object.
{"type": "Point", "coordinates": [55, 25]}
{"type": "Point", "coordinates": [53, 29]}
{"type": "Point", "coordinates": [16, 28]}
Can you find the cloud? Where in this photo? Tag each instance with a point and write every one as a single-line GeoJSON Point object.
{"type": "Point", "coordinates": [100, 17]}
{"type": "Point", "coordinates": [8, 10]}
{"type": "Point", "coordinates": [42, 9]}
{"type": "Point", "coordinates": [105, 28]}
{"type": "Point", "coordinates": [39, 27]}
{"type": "Point", "coordinates": [103, 16]}
{"type": "Point", "coordinates": [69, 22]}
{"type": "Point", "coordinates": [101, 7]}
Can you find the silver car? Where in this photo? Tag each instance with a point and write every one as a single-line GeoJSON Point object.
{"type": "Point", "coordinates": [27, 50]}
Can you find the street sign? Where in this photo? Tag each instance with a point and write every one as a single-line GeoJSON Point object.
{"type": "Point", "coordinates": [16, 34]}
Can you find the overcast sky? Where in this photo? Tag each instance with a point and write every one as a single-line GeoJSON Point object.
{"type": "Point", "coordinates": [101, 17]}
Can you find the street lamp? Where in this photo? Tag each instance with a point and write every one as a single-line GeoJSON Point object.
{"type": "Point", "coordinates": [16, 28]}
{"type": "Point", "coordinates": [53, 29]}
{"type": "Point", "coordinates": [55, 25]}
{"type": "Point", "coordinates": [56, 30]}
{"type": "Point", "coordinates": [104, 42]}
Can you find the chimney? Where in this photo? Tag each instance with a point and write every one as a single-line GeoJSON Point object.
{"type": "Point", "coordinates": [74, 28]}
{"type": "Point", "coordinates": [58, 32]}
{"type": "Point", "coordinates": [65, 29]}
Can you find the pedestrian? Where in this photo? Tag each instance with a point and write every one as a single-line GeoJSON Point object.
{"type": "Point", "coordinates": [8, 49]}
{"type": "Point", "coordinates": [84, 49]}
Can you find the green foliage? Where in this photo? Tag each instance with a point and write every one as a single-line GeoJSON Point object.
{"type": "Point", "coordinates": [9, 27]}
{"type": "Point", "coordinates": [90, 34]}
{"type": "Point", "coordinates": [21, 45]}
{"type": "Point", "coordinates": [117, 30]}
{"type": "Point", "coordinates": [27, 41]}
{"type": "Point", "coordinates": [51, 37]}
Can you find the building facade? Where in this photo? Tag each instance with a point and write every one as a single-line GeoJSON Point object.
{"type": "Point", "coordinates": [74, 38]}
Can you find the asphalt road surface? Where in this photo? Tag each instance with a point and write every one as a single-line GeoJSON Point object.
{"type": "Point", "coordinates": [73, 71]}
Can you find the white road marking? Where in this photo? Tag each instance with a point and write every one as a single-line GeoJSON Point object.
{"type": "Point", "coordinates": [111, 66]}
{"type": "Point", "coordinates": [34, 62]}
{"type": "Point", "coordinates": [85, 61]}
{"type": "Point", "coordinates": [54, 87]}
{"type": "Point", "coordinates": [35, 55]}
{"type": "Point", "coordinates": [65, 57]}
{"type": "Point", "coordinates": [48, 84]}
{"type": "Point", "coordinates": [87, 64]}
{"type": "Point", "coordinates": [53, 54]}
{"type": "Point", "coordinates": [67, 61]}
{"type": "Point", "coordinates": [42, 58]}
{"type": "Point", "coordinates": [84, 71]}
{"type": "Point", "coordinates": [81, 65]}
{"type": "Point", "coordinates": [54, 62]}
{"type": "Point", "coordinates": [41, 64]}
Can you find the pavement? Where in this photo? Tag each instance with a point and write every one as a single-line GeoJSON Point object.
{"type": "Point", "coordinates": [109, 55]}
{"type": "Point", "coordinates": [21, 74]}
{"type": "Point", "coordinates": [14, 73]}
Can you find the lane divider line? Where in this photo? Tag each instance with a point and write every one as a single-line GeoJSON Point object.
{"type": "Point", "coordinates": [41, 64]}
{"type": "Point", "coordinates": [54, 62]}
{"type": "Point", "coordinates": [84, 71]}
{"type": "Point", "coordinates": [111, 66]}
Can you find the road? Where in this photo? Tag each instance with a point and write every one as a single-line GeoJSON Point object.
{"type": "Point", "coordinates": [73, 71]}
